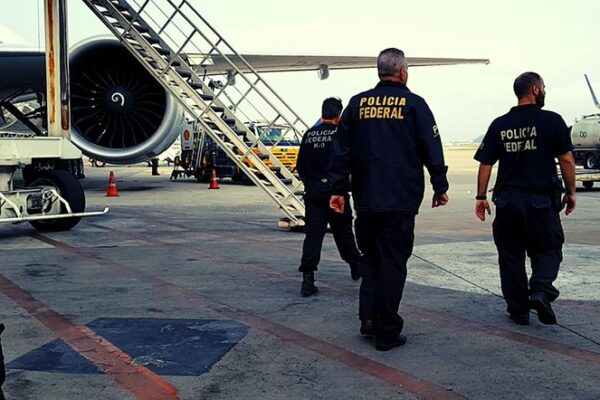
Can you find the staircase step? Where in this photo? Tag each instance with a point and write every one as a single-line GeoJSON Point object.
{"type": "Point", "coordinates": [140, 28]}
{"type": "Point", "coordinates": [119, 7]}
{"type": "Point", "coordinates": [162, 51]}
{"type": "Point", "coordinates": [150, 39]}
{"type": "Point", "coordinates": [184, 74]}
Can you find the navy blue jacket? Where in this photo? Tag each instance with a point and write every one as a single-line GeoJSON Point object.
{"type": "Point", "coordinates": [385, 137]}
{"type": "Point", "coordinates": [315, 152]}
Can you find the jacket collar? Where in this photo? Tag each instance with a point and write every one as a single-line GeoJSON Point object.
{"type": "Point", "coordinates": [526, 107]}
{"type": "Point", "coordinates": [392, 83]}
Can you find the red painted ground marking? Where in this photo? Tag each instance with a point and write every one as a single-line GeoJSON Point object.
{"type": "Point", "coordinates": [186, 297]}
{"type": "Point", "coordinates": [138, 380]}
{"type": "Point", "coordinates": [464, 324]}
{"type": "Point", "coordinates": [420, 387]}
{"type": "Point", "coordinates": [535, 341]}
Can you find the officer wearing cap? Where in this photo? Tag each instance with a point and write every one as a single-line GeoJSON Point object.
{"type": "Point", "coordinates": [313, 163]}
{"type": "Point", "coordinates": [385, 137]}
{"type": "Point", "coordinates": [527, 194]}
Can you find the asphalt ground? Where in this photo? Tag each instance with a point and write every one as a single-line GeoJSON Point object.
{"type": "Point", "coordinates": [184, 292]}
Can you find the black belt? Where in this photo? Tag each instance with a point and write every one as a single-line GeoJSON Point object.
{"type": "Point", "coordinates": [533, 190]}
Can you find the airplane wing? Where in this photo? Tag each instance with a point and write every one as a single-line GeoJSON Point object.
{"type": "Point", "coordinates": [217, 65]}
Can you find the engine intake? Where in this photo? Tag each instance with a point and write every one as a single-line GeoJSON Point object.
{"type": "Point", "coordinates": [119, 112]}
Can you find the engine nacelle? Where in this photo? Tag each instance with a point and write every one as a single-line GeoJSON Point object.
{"type": "Point", "coordinates": [119, 112]}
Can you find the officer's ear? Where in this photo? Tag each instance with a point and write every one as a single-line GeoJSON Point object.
{"type": "Point", "coordinates": [404, 74]}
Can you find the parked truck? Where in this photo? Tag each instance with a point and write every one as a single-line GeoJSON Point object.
{"type": "Point", "coordinates": [585, 135]}
{"type": "Point", "coordinates": [200, 154]}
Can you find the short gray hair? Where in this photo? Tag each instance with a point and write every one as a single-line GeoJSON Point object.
{"type": "Point", "coordinates": [390, 61]}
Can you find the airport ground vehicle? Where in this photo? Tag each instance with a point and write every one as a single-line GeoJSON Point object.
{"type": "Point", "coordinates": [587, 177]}
{"type": "Point", "coordinates": [52, 199]}
{"type": "Point", "coordinates": [585, 135]}
{"type": "Point", "coordinates": [200, 154]}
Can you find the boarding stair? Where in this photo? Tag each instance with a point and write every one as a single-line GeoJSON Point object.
{"type": "Point", "coordinates": [175, 43]}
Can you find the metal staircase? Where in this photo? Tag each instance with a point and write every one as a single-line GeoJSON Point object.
{"type": "Point", "coordinates": [175, 44]}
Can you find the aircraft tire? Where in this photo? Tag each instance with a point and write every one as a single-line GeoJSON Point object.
{"type": "Point", "coordinates": [70, 189]}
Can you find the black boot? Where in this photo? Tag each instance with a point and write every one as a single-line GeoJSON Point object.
{"type": "Point", "coordinates": [540, 303]}
{"type": "Point", "coordinates": [308, 284]}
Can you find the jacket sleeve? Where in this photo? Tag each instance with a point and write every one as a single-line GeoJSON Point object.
{"type": "Point", "coordinates": [429, 146]}
{"type": "Point", "coordinates": [339, 170]}
{"type": "Point", "coordinates": [490, 148]}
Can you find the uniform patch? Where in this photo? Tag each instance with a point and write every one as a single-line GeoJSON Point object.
{"type": "Point", "coordinates": [436, 132]}
{"type": "Point", "coordinates": [381, 107]}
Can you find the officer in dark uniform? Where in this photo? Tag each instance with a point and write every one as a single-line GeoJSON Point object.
{"type": "Point", "coordinates": [385, 137]}
{"type": "Point", "coordinates": [154, 164]}
{"type": "Point", "coordinates": [527, 194]}
{"type": "Point", "coordinates": [313, 163]}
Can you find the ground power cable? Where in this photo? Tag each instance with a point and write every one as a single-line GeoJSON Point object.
{"type": "Point", "coordinates": [581, 335]}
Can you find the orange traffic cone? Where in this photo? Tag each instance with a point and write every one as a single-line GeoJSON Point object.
{"type": "Point", "coordinates": [112, 186]}
{"type": "Point", "coordinates": [214, 182]}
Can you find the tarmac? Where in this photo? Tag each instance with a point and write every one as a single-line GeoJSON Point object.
{"type": "Point", "coordinates": [181, 292]}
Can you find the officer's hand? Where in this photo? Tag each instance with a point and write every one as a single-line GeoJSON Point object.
{"type": "Point", "coordinates": [570, 201]}
{"type": "Point", "coordinates": [481, 206]}
{"type": "Point", "coordinates": [337, 203]}
{"type": "Point", "coordinates": [439, 200]}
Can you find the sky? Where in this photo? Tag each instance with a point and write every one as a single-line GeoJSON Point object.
{"type": "Point", "coordinates": [557, 39]}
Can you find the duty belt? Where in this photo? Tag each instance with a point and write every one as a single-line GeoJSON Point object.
{"type": "Point", "coordinates": [529, 189]}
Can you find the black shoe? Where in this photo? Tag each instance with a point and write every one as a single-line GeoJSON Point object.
{"type": "Point", "coordinates": [308, 287]}
{"type": "Point", "coordinates": [355, 272]}
{"type": "Point", "coordinates": [519, 318]}
{"type": "Point", "coordinates": [367, 327]}
{"type": "Point", "coordinates": [544, 309]}
{"type": "Point", "coordinates": [400, 341]}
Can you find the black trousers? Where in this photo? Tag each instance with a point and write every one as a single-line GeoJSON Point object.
{"type": "Point", "coordinates": [527, 224]}
{"type": "Point", "coordinates": [318, 214]}
{"type": "Point", "coordinates": [386, 240]}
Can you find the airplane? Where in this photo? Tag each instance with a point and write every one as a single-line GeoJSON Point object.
{"type": "Point", "coordinates": [102, 69]}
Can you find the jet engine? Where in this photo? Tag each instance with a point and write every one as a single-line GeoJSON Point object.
{"type": "Point", "coordinates": [119, 112]}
